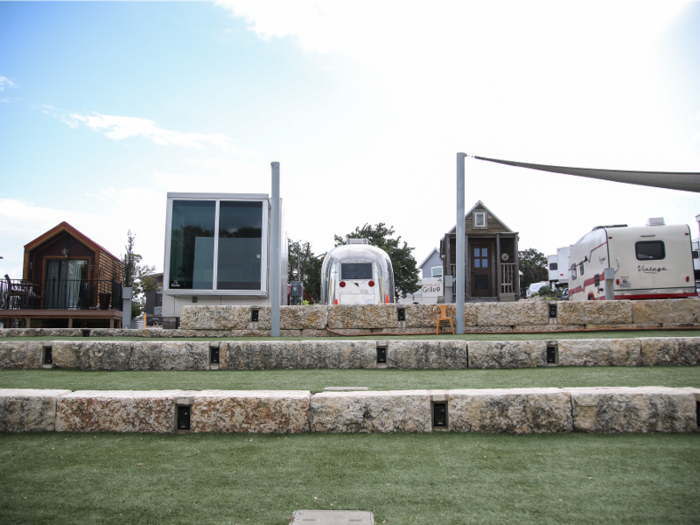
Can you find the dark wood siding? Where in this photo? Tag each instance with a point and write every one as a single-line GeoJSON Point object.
{"type": "Point", "coordinates": [493, 225]}
{"type": "Point", "coordinates": [110, 268]}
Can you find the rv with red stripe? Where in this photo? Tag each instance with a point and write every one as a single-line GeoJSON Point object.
{"type": "Point", "coordinates": [649, 262]}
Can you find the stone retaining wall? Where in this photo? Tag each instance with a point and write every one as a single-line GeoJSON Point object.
{"type": "Point", "coordinates": [519, 411]}
{"type": "Point", "coordinates": [342, 354]}
{"type": "Point", "coordinates": [311, 321]}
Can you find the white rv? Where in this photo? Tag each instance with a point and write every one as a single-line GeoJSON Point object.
{"type": "Point", "coordinates": [553, 268]}
{"type": "Point", "coordinates": [558, 267]}
{"type": "Point", "coordinates": [650, 262]}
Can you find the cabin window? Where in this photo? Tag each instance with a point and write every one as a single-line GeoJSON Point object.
{"type": "Point", "coordinates": [650, 250]}
{"type": "Point", "coordinates": [479, 219]}
{"type": "Point", "coordinates": [580, 267]}
{"type": "Point", "coordinates": [573, 272]}
{"type": "Point", "coordinates": [553, 266]}
{"type": "Point", "coordinates": [481, 257]}
{"type": "Point", "coordinates": [356, 271]}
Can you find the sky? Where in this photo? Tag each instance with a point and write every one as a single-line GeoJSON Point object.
{"type": "Point", "coordinates": [107, 106]}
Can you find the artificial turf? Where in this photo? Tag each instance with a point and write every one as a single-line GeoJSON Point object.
{"type": "Point", "coordinates": [438, 478]}
{"type": "Point", "coordinates": [375, 379]}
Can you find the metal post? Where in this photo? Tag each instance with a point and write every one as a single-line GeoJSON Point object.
{"type": "Point", "coordinates": [275, 263]}
{"type": "Point", "coordinates": [460, 273]}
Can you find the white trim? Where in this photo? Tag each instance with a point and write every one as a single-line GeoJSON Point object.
{"type": "Point", "coordinates": [428, 257]}
{"type": "Point", "coordinates": [217, 196]}
{"type": "Point", "coordinates": [475, 224]}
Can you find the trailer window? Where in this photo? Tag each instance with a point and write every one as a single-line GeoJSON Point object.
{"type": "Point", "coordinates": [553, 266]}
{"type": "Point", "coordinates": [356, 271]}
{"type": "Point", "coordinates": [650, 250]}
{"type": "Point", "coordinates": [573, 272]}
{"type": "Point", "coordinates": [580, 267]}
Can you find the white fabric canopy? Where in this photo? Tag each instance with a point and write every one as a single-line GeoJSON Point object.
{"type": "Point", "coordinates": [658, 179]}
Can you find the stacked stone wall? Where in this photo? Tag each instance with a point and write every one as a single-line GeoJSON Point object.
{"type": "Point", "coordinates": [344, 354]}
{"type": "Point", "coordinates": [518, 411]}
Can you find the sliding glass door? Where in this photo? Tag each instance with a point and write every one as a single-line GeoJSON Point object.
{"type": "Point", "coordinates": [65, 280]}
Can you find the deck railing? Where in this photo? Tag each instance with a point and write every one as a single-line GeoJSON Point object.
{"type": "Point", "coordinates": [507, 277]}
{"type": "Point", "coordinates": [60, 294]}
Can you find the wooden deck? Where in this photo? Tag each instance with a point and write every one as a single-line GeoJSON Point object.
{"type": "Point", "coordinates": [113, 316]}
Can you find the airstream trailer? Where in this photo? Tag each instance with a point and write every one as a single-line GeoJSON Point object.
{"type": "Point", "coordinates": [357, 273]}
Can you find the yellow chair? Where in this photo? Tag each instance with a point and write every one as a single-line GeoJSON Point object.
{"type": "Point", "coordinates": [443, 312]}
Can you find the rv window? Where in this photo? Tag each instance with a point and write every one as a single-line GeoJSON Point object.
{"type": "Point", "coordinates": [356, 271]}
{"type": "Point", "coordinates": [573, 272]}
{"type": "Point", "coordinates": [650, 250]}
{"type": "Point", "coordinates": [581, 268]}
{"type": "Point", "coordinates": [552, 266]}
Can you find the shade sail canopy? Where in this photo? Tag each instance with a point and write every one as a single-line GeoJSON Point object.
{"type": "Point", "coordinates": [659, 179]}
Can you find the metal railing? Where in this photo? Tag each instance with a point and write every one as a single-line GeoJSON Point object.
{"type": "Point", "coordinates": [60, 294]}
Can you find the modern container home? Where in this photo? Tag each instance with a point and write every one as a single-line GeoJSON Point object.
{"type": "Point", "coordinates": [217, 249]}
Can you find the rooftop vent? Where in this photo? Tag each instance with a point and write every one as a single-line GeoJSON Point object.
{"type": "Point", "coordinates": [655, 221]}
{"type": "Point", "coordinates": [358, 241]}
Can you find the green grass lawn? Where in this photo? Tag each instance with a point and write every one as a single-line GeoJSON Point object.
{"type": "Point", "coordinates": [621, 334]}
{"type": "Point", "coordinates": [438, 478]}
{"type": "Point", "coordinates": [375, 379]}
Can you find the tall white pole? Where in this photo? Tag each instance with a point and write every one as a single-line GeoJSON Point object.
{"type": "Point", "coordinates": [460, 271]}
{"type": "Point", "coordinates": [275, 255]}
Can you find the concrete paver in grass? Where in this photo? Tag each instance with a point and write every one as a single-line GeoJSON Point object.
{"type": "Point", "coordinates": [333, 517]}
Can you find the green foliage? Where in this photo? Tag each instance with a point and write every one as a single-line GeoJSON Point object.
{"type": "Point", "coordinates": [308, 267]}
{"type": "Point", "coordinates": [533, 264]}
{"type": "Point", "coordinates": [137, 275]}
{"type": "Point", "coordinates": [404, 264]}
{"type": "Point", "coordinates": [545, 291]}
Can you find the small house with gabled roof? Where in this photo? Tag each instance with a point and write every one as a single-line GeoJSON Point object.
{"type": "Point", "coordinates": [68, 280]}
{"type": "Point", "coordinates": [492, 266]}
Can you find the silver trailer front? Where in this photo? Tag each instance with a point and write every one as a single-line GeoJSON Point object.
{"type": "Point", "coordinates": [357, 273]}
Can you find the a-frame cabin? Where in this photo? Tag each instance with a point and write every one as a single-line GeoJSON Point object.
{"type": "Point", "coordinates": [492, 265]}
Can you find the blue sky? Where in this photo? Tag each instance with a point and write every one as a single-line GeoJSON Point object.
{"type": "Point", "coordinates": [106, 106]}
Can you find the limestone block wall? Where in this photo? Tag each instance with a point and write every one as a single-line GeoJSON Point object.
{"type": "Point", "coordinates": [23, 410]}
{"type": "Point", "coordinates": [519, 411]}
{"type": "Point", "coordinates": [343, 354]}
{"type": "Point", "coordinates": [646, 409]}
{"type": "Point", "coordinates": [317, 320]}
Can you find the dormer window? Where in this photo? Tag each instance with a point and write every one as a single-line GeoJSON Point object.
{"type": "Point", "coordinates": [479, 219]}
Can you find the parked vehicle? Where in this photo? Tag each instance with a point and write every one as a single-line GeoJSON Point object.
{"type": "Point", "coordinates": [565, 295]}
{"type": "Point", "coordinates": [558, 267]}
{"type": "Point", "coordinates": [154, 320]}
{"type": "Point", "coordinates": [534, 288]}
{"type": "Point", "coordinates": [649, 262]}
{"type": "Point", "coordinates": [357, 273]}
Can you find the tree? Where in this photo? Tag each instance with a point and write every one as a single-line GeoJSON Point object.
{"type": "Point", "coordinates": [405, 266]}
{"type": "Point", "coordinates": [137, 276]}
{"type": "Point", "coordinates": [308, 267]}
{"type": "Point", "coordinates": [533, 264]}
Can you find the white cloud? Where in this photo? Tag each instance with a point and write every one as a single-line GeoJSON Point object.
{"type": "Point", "coordinates": [120, 128]}
{"type": "Point", "coordinates": [4, 81]}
